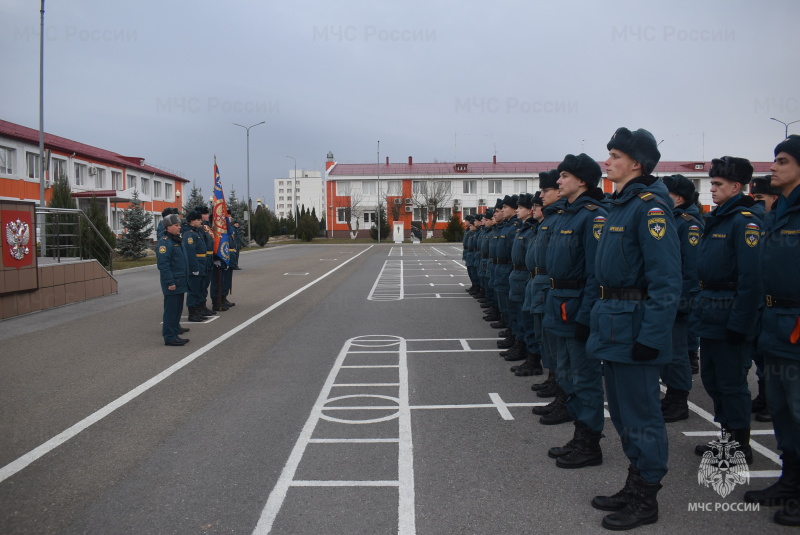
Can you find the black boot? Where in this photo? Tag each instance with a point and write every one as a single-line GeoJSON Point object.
{"type": "Point", "coordinates": [787, 488]}
{"type": "Point", "coordinates": [551, 378]}
{"type": "Point", "coordinates": [532, 366]}
{"type": "Point", "coordinates": [216, 306]}
{"type": "Point", "coordinates": [790, 514]}
{"type": "Point", "coordinates": [195, 315]}
{"type": "Point", "coordinates": [694, 362]}
{"type": "Point", "coordinates": [205, 311]}
{"type": "Point", "coordinates": [677, 408]}
{"type": "Point", "coordinates": [617, 501]}
{"type": "Point", "coordinates": [548, 392]}
{"type": "Point", "coordinates": [742, 436]}
{"type": "Point", "coordinates": [587, 451]}
{"type": "Point", "coordinates": [228, 303]}
{"type": "Point", "coordinates": [577, 436]}
{"type": "Point", "coordinates": [510, 352]}
{"type": "Point", "coordinates": [486, 304]}
{"type": "Point", "coordinates": [504, 333]}
{"type": "Point", "coordinates": [547, 409]}
{"type": "Point", "coordinates": [522, 352]}
{"type": "Point", "coordinates": [499, 324]}
{"type": "Point", "coordinates": [506, 342]}
{"type": "Point", "coordinates": [642, 509]}
{"type": "Point", "coordinates": [559, 414]}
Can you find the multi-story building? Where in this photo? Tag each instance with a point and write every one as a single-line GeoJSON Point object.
{"type": "Point", "coordinates": [425, 195]}
{"type": "Point", "coordinates": [92, 172]}
{"type": "Point", "coordinates": [302, 189]}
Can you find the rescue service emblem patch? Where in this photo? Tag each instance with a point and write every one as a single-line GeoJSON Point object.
{"type": "Point", "coordinates": [694, 235]}
{"type": "Point", "coordinates": [655, 212]}
{"type": "Point", "coordinates": [162, 249]}
{"type": "Point", "coordinates": [657, 226]}
{"type": "Point", "coordinates": [190, 241]}
{"type": "Point", "coordinates": [597, 226]}
{"type": "Point", "coordinates": [751, 234]}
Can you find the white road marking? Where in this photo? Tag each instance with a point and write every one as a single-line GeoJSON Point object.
{"type": "Point", "coordinates": [15, 466]}
{"type": "Point", "coordinates": [502, 408]}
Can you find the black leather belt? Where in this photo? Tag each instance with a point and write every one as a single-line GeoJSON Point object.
{"type": "Point", "coordinates": [627, 294]}
{"type": "Point", "coordinates": [520, 267]}
{"type": "Point", "coordinates": [502, 260]}
{"type": "Point", "coordinates": [560, 284]}
{"type": "Point", "coordinates": [718, 286]}
{"type": "Point", "coordinates": [781, 302]}
{"type": "Point", "coordinates": [539, 271]}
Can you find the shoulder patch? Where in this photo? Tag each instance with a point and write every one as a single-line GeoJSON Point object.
{"type": "Point", "coordinates": [597, 226]}
{"type": "Point", "coordinates": [657, 227]}
{"type": "Point", "coordinates": [752, 233]}
{"type": "Point", "coordinates": [162, 249]}
{"type": "Point", "coordinates": [591, 207]}
{"type": "Point", "coordinates": [694, 235]}
{"type": "Point", "coordinates": [657, 211]}
{"type": "Point", "coordinates": [190, 241]}
{"type": "Point", "coordinates": [687, 217]}
{"type": "Point", "coordinates": [646, 196]}
{"type": "Point", "coordinates": [746, 213]}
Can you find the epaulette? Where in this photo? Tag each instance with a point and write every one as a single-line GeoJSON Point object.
{"type": "Point", "coordinates": [591, 207]}
{"type": "Point", "coordinates": [646, 196]}
{"type": "Point", "coordinates": [687, 217]}
{"type": "Point", "coordinates": [746, 213]}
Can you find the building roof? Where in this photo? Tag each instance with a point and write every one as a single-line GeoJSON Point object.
{"type": "Point", "coordinates": [53, 142]}
{"type": "Point", "coordinates": [499, 168]}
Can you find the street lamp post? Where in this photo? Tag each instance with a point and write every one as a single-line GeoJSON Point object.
{"type": "Point", "coordinates": [42, 163]}
{"type": "Point", "coordinates": [294, 196]}
{"type": "Point", "coordinates": [786, 125]}
{"type": "Point", "coordinates": [249, 206]}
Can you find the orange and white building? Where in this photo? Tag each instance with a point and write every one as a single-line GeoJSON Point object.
{"type": "Point", "coordinates": [405, 189]}
{"type": "Point", "coordinates": [92, 172]}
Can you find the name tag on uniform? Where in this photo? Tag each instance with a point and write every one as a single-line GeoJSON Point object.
{"type": "Point", "coordinates": [721, 236]}
{"type": "Point", "coordinates": [566, 232]}
{"type": "Point", "coordinates": [616, 229]}
{"type": "Point", "coordinates": [789, 232]}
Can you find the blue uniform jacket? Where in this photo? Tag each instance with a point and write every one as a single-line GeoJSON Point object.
{"type": "Point", "coordinates": [729, 256]}
{"type": "Point", "coordinates": [689, 226]}
{"type": "Point", "coordinates": [638, 249]}
{"type": "Point", "coordinates": [209, 237]}
{"type": "Point", "coordinates": [172, 265]}
{"type": "Point", "coordinates": [570, 259]}
{"type": "Point", "coordinates": [780, 332]}
{"type": "Point", "coordinates": [519, 276]}
{"type": "Point", "coordinates": [195, 243]}
{"type": "Point", "coordinates": [536, 257]}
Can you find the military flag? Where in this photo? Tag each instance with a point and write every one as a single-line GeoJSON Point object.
{"type": "Point", "coordinates": [219, 221]}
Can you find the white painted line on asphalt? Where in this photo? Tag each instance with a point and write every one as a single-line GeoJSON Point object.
{"type": "Point", "coordinates": [764, 473]}
{"type": "Point", "coordinates": [374, 366]}
{"type": "Point", "coordinates": [15, 466]}
{"type": "Point", "coordinates": [716, 433]}
{"type": "Point", "coordinates": [302, 483]}
{"type": "Point", "coordinates": [501, 406]}
{"type": "Point", "coordinates": [354, 440]}
{"type": "Point", "coordinates": [301, 274]}
{"type": "Point", "coordinates": [366, 384]}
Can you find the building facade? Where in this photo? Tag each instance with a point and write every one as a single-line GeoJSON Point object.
{"type": "Point", "coordinates": [92, 172]}
{"type": "Point", "coordinates": [301, 189]}
{"type": "Point", "coordinates": [424, 196]}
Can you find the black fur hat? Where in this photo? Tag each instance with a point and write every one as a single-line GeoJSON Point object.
{"type": "Point", "coordinates": [548, 179]}
{"type": "Point", "coordinates": [763, 185]}
{"type": "Point", "coordinates": [732, 168]}
{"type": "Point", "coordinates": [191, 216]}
{"type": "Point", "coordinates": [583, 167]}
{"type": "Point", "coordinates": [680, 185]}
{"type": "Point", "coordinates": [639, 145]}
{"type": "Point", "coordinates": [791, 146]}
{"type": "Point", "coordinates": [526, 201]}
{"type": "Point", "coordinates": [537, 199]}
{"type": "Point", "coordinates": [203, 209]}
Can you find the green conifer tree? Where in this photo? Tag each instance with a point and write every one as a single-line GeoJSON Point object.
{"type": "Point", "coordinates": [138, 226]}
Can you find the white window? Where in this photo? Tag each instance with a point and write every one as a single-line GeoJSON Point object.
{"type": "Point", "coordinates": [100, 179]}
{"type": "Point", "coordinates": [343, 188]}
{"type": "Point", "coordinates": [31, 165]}
{"type": "Point", "coordinates": [116, 180]}
{"type": "Point", "coordinates": [80, 174]}
{"type": "Point", "coordinates": [520, 186]}
{"type": "Point", "coordinates": [495, 186]}
{"type": "Point", "coordinates": [443, 187]}
{"type": "Point", "coordinates": [131, 182]}
{"type": "Point", "coordinates": [280, 183]}
{"type": "Point", "coordinates": [470, 186]}
{"type": "Point", "coordinates": [280, 207]}
{"type": "Point", "coordinates": [280, 198]}
{"type": "Point", "coordinates": [58, 169]}
{"type": "Point", "coordinates": [6, 160]}
{"type": "Point", "coordinates": [369, 217]}
{"type": "Point", "coordinates": [156, 220]}
{"type": "Point", "coordinates": [468, 211]}
{"type": "Point", "coordinates": [168, 192]}
{"type": "Point", "coordinates": [146, 186]}
{"type": "Point", "coordinates": [342, 215]}
{"type": "Point", "coordinates": [444, 214]}
{"type": "Point", "coordinates": [157, 189]}
{"type": "Point", "coordinates": [420, 214]}
{"type": "Point", "coordinates": [280, 191]}
{"type": "Point", "coordinates": [419, 187]}
{"type": "Point", "coordinates": [395, 187]}
{"type": "Point", "coordinates": [368, 187]}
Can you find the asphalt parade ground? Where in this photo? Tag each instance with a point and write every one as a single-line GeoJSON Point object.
{"type": "Point", "coordinates": [352, 389]}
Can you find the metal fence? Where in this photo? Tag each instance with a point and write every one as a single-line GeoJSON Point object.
{"type": "Point", "coordinates": [67, 234]}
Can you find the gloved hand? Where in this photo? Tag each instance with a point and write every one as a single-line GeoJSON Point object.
{"type": "Point", "coordinates": [581, 332]}
{"type": "Point", "coordinates": [195, 273]}
{"type": "Point", "coordinates": [642, 352]}
{"type": "Point", "coordinates": [217, 263]}
{"type": "Point", "coordinates": [735, 338]}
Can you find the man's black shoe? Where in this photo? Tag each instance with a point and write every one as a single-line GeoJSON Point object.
{"type": "Point", "coordinates": [174, 342]}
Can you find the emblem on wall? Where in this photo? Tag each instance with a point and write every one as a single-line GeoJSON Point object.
{"type": "Point", "coordinates": [18, 234]}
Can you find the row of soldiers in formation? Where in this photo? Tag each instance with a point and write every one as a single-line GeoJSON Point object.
{"type": "Point", "coordinates": [618, 288]}
{"type": "Point", "coordinates": [189, 268]}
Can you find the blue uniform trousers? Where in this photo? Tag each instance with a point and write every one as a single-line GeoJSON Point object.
{"type": "Point", "coordinates": [585, 401]}
{"type": "Point", "coordinates": [547, 344]}
{"type": "Point", "coordinates": [195, 295]}
{"type": "Point", "coordinates": [472, 272]}
{"type": "Point", "coordinates": [678, 373]}
{"type": "Point", "coordinates": [171, 321]}
{"type": "Point", "coordinates": [227, 277]}
{"type": "Point", "coordinates": [206, 284]}
{"type": "Point", "coordinates": [723, 369]}
{"type": "Point", "coordinates": [501, 288]}
{"type": "Point", "coordinates": [532, 342]}
{"type": "Point", "coordinates": [218, 281]}
{"type": "Point", "coordinates": [782, 382]}
{"type": "Point", "coordinates": [633, 403]}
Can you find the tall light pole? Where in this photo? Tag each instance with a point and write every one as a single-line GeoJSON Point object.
{"type": "Point", "coordinates": [41, 109]}
{"type": "Point", "coordinates": [249, 206]}
{"type": "Point", "coordinates": [379, 192]}
{"type": "Point", "coordinates": [786, 125]}
{"type": "Point", "coordinates": [294, 198]}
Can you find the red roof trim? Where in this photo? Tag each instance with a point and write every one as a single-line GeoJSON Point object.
{"type": "Point", "coordinates": [95, 193]}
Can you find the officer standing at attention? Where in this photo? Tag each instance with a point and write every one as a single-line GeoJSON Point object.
{"type": "Point", "coordinates": [573, 291]}
{"type": "Point", "coordinates": [779, 338]}
{"type": "Point", "coordinates": [677, 374]}
{"type": "Point", "coordinates": [487, 301]}
{"type": "Point", "coordinates": [469, 257]}
{"type": "Point", "coordinates": [236, 243]}
{"type": "Point", "coordinates": [209, 238]}
{"type": "Point", "coordinates": [493, 313]}
{"type": "Point", "coordinates": [173, 268]}
{"type": "Point", "coordinates": [761, 189]}
{"type": "Point", "coordinates": [639, 272]}
{"type": "Point", "coordinates": [730, 290]}
{"type": "Point", "coordinates": [195, 244]}
{"type": "Point", "coordinates": [506, 232]}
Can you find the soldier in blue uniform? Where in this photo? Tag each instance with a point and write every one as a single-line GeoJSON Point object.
{"type": "Point", "coordinates": [485, 262]}
{"type": "Point", "coordinates": [573, 291]}
{"type": "Point", "coordinates": [493, 313]}
{"type": "Point", "coordinates": [173, 269]}
{"type": "Point", "coordinates": [195, 244]}
{"type": "Point", "coordinates": [639, 273]}
{"type": "Point", "coordinates": [209, 238]}
{"type": "Point", "coordinates": [233, 260]}
{"type": "Point", "coordinates": [677, 374]}
{"type": "Point", "coordinates": [779, 338]}
{"type": "Point", "coordinates": [730, 287]}
{"type": "Point", "coordinates": [469, 255]}
{"type": "Point", "coordinates": [519, 276]}
{"type": "Point", "coordinates": [556, 411]}
{"type": "Point", "coordinates": [237, 243]}
{"type": "Point", "coordinates": [160, 227]}
{"type": "Point", "coordinates": [506, 232]}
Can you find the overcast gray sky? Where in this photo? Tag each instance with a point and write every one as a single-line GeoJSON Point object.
{"type": "Point", "coordinates": [437, 80]}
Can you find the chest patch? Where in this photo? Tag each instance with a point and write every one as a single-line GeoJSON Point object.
{"type": "Point", "coordinates": [657, 225]}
